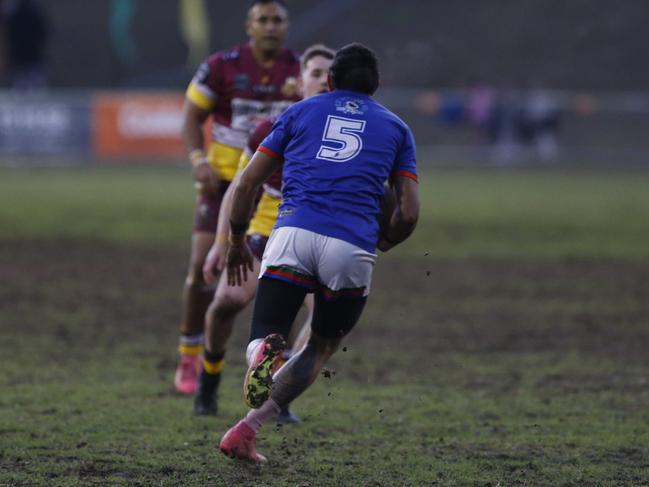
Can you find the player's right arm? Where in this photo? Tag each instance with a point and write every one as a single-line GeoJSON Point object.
{"type": "Point", "coordinates": [192, 132]}
{"type": "Point", "coordinates": [266, 160]}
{"type": "Point", "coordinates": [200, 100]}
{"type": "Point", "coordinates": [239, 259]}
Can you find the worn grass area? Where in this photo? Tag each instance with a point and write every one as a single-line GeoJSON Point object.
{"type": "Point", "coordinates": [472, 365]}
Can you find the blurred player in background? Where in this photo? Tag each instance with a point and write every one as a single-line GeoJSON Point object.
{"type": "Point", "coordinates": [230, 300]}
{"type": "Point", "coordinates": [238, 88]}
{"type": "Point", "coordinates": [337, 149]}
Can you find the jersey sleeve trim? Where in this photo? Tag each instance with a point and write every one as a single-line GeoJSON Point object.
{"type": "Point", "coordinates": [269, 152]}
{"type": "Point", "coordinates": [406, 174]}
{"type": "Point", "coordinates": [199, 98]}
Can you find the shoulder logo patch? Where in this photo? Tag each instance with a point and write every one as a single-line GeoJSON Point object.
{"type": "Point", "coordinates": [351, 106]}
{"type": "Point", "coordinates": [230, 55]}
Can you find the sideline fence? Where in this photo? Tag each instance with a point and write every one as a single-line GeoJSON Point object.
{"type": "Point", "coordinates": [103, 127]}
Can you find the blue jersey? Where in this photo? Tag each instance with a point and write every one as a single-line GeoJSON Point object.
{"type": "Point", "coordinates": [338, 149]}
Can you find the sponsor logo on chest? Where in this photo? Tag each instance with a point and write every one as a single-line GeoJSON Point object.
{"type": "Point", "coordinates": [264, 86]}
{"type": "Point", "coordinates": [242, 82]}
{"type": "Point", "coordinates": [246, 114]}
{"type": "Point", "coordinates": [264, 89]}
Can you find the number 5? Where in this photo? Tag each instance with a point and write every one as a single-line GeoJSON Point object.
{"type": "Point", "coordinates": [344, 132]}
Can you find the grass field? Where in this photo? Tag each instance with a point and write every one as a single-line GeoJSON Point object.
{"type": "Point", "coordinates": [505, 344]}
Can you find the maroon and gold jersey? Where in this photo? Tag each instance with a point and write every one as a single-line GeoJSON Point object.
{"type": "Point", "coordinates": [273, 185]}
{"type": "Point", "coordinates": [266, 212]}
{"type": "Point", "coordinates": [240, 93]}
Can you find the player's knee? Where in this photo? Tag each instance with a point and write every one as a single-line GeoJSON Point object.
{"type": "Point", "coordinates": [224, 307]}
{"type": "Point", "coordinates": [195, 276]}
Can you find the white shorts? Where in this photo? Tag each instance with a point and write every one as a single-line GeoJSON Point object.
{"type": "Point", "coordinates": [317, 262]}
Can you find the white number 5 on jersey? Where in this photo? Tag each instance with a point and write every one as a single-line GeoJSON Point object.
{"type": "Point", "coordinates": [343, 133]}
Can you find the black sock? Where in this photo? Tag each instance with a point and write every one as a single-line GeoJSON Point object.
{"type": "Point", "coordinates": [208, 383]}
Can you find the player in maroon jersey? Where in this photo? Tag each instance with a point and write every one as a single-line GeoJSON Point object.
{"type": "Point", "coordinates": [230, 300]}
{"type": "Point", "coordinates": [237, 88]}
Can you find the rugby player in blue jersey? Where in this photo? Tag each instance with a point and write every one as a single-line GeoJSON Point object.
{"type": "Point", "coordinates": [338, 149]}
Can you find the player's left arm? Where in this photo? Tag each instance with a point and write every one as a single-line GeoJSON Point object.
{"type": "Point", "coordinates": [403, 220]}
{"type": "Point", "coordinates": [405, 216]}
{"type": "Point", "coordinates": [259, 169]}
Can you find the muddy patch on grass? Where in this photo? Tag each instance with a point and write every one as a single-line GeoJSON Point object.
{"type": "Point", "coordinates": [426, 317]}
{"type": "Point", "coordinates": [497, 305]}
{"type": "Point", "coordinates": [424, 305]}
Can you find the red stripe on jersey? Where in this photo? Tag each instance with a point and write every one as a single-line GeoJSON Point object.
{"type": "Point", "coordinates": [406, 174]}
{"type": "Point", "coordinates": [269, 152]}
{"type": "Point", "coordinates": [258, 135]}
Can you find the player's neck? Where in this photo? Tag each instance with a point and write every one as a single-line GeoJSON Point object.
{"type": "Point", "coordinates": [264, 58]}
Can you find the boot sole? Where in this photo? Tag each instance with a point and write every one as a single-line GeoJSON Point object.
{"type": "Point", "coordinates": [259, 380]}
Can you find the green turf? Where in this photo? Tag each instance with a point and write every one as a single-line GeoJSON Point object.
{"type": "Point", "coordinates": [514, 353]}
{"type": "Point", "coordinates": [134, 205]}
{"type": "Point", "coordinates": [524, 213]}
{"type": "Point", "coordinates": [535, 213]}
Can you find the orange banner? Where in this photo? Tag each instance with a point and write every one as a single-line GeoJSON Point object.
{"type": "Point", "coordinates": [139, 126]}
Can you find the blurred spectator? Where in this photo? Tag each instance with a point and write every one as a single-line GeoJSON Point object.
{"type": "Point", "coordinates": [26, 32]}
{"type": "Point", "coordinates": [523, 124]}
{"type": "Point", "coordinates": [503, 125]}
{"type": "Point", "coordinates": [539, 120]}
{"type": "Point", "coordinates": [479, 109]}
{"type": "Point", "coordinates": [451, 110]}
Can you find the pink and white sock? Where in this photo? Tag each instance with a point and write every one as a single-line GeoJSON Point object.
{"type": "Point", "coordinates": [257, 417]}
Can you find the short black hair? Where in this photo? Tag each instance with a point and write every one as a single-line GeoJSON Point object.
{"type": "Point", "coordinates": [266, 2]}
{"type": "Point", "coordinates": [316, 50]}
{"type": "Point", "coordinates": [356, 68]}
